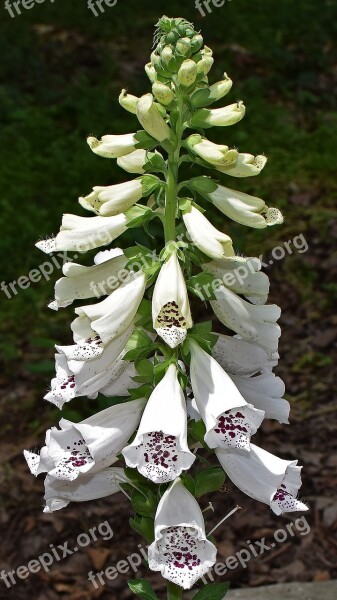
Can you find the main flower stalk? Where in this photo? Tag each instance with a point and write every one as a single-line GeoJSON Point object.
{"type": "Point", "coordinates": [172, 179]}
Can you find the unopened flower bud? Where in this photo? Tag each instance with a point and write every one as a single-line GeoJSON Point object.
{"type": "Point", "coordinates": [221, 88]}
{"type": "Point", "coordinates": [163, 93]}
{"type": "Point", "coordinates": [150, 118]}
{"type": "Point", "coordinates": [229, 115]}
{"type": "Point", "coordinates": [187, 73]}
{"type": "Point", "coordinates": [155, 59]}
{"type": "Point", "coordinates": [128, 101]}
{"type": "Point", "coordinates": [196, 43]}
{"type": "Point", "coordinates": [151, 72]}
{"type": "Point", "coordinates": [205, 64]}
{"type": "Point", "coordinates": [183, 46]}
{"type": "Point", "coordinates": [166, 54]}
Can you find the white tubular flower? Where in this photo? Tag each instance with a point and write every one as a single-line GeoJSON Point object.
{"type": "Point", "coordinates": [113, 146]}
{"type": "Point", "coordinates": [58, 493]}
{"type": "Point", "coordinates": [99, 280]}
{"type": "Point", "coordinates": [241, 357]}
{"type": "Point", "coordinates": [128, 101]}
{"type": "Point", "coordinates": [124, 382]}
{"type": "Point", "coordinates": [265, 392]}
{"type": "Point", "coordinates": [265, 477]}
{"type": "Point", "coordinates": [215, 154]}
{"type": "Point", "coordinates": [171, 312]}
{"type": "Point", "coordinates": [246, 165]}
{"type": "Point", "coordinates": [253, 323]}
{"type": "Point", "coordinates": [89, 446]}
{"type": "Point", "coordinates": [160, 451]}
{"type": "Point", "coordinates": [219, 117]}
{"type": "Point", "coordinates": [244, 209]}
{"type": "Point", "coordinates": [133, 162]}
{"type": "Point", "coordinates": [151, 119]}
{"type": "Point", "coordinates": [114, 315]}
{"type": "Point", "coordinates": [113, 199]}
{"type": "Point", "coordinates": [78, 375]}
{"type": "Point", "coordinates": [230, 421]}
{"type": "Point", "coordinates": [207, 238]}
{"type": "Point", "coordinates": [181, 551]}
{"type": "Point", "coordinates": [242, 276]}
{"type": "Point", "coordinates": [84, 233]}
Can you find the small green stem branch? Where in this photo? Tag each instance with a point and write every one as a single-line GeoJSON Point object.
{"type": "Point", "coordinates": [174, 592]}
{"type": "Point", "coordinates": [172, 181]}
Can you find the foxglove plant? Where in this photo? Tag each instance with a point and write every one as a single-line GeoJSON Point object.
{"type": "Point", "coordinates": [178, 392]}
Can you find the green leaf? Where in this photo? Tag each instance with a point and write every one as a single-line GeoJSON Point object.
{"type": "Point", "coordinates": [144, 526]}
{"type": "Point", "coordinates": [198, 430]}
{"type": "Point", "coordinates": [212, 591]}
{"type": "Point", "coordinates": [145, 141]}
{"type": "Point", "coordinates": [209, 480]}
{"type": "Point", "coordinates": [188, 482]}
{"type": "Point", "coordinates": [202, 286]}
{"type": "Point", "coordinates": [137, 340]}
{"type": "Point", "coordinates": [144, 504]}
{"type": "Point", "coordinates": [142, 589]}
{"type": "Point", "coordinates": [185, 204]}
{"type": "Point", "coordinates": [143, 391]}
{"type": "Point", "coordinates": [201, 98]}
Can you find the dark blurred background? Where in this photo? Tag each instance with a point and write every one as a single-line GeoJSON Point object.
{"type": "Point", "coordinates": [61, 72]}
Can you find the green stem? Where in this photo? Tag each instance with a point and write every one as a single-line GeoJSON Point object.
{"type": "Point", "coordinates": [172, 181]}
{"type": "Point", "coordinates": [174, 592]}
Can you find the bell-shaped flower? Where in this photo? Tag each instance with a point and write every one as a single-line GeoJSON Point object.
{"type": "Point", "coordinates": [215, 154]}
{"type": "Point", "coordinates": [171, 312]}
{"type": "Point", "coordinates": [265, 477]}
{"type": "Point", "coordinates": [242, 276]}
{"type": "Point", "coordinates": [230, 421]}
{"type": "Point", "coordinates": [89, 446]}
{"type": "Point", "coordinates": [253, 323]}
{"type": "Point", "coordinates": [240, 357]}
{"type": "Point", "coordinates": [113, 146]}
{"type": "Point", "coordinates": [221, 117]}
{"type": "Point", "coordinates": [111, 317]}
{"type": "Point", "coordinates": [246, 165]}
{"type": "Point", "coordinates": [85, 233]}
{"type": "Point", "coordinates": [160, 451]}
{"type": "Point", "coordinates": [265, 392]}
{"type": "Point", "coordinates": [101, 370]}
{"type": "Point", "coordinates": [59, 493]}
{"type": "Point", "coordinates": [205, 236]}
{"type": "Point", "coordinates": [128, 101]}
{"type": "Point", "coordinates": [181, 551]}
{"type": "Point", "coordinates": [113, 199]}
{"type": "Point", "coordinates": [80, 283]}
{"type": "Point", "coordinates": [151, 119]}
{"type": "Point", "coordinates": [244, 209]}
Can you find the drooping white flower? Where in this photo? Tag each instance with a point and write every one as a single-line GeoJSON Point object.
{"type": "Point", "coordinates": [265, 391]}
{"type": "Point", "coordinates": [230, 421]}
{"type": "Point", "coordinates": [100, 370]}
{"type": "Point", "coordinates": [113, 146]}
{"type": "Point", "coordinates": [111, 317]}
{"type": "Point", "coordinates": [59, 493]}
{"type": "Point", "coordinates": [128, 101]}
{"type": "Point", "coordinates": [84, 233]}
{"type": "Point", "coordinates": [207, 238]}
{"type": "Point", "coordinates": [215, 154]}
{"type": "Point", "coordinates": [151, 119]}
{"type": "Point", "coordinates": [181, 551]}
{"type": "Point", "coordinates": [265, 477]}
{"type": "Point", "coordinates": [244, 209]}
{"type": "Point", "coordinates": [253, 323]}
{"type": "Point", "coordinates": [171, 312]}
{"type": "Point", "coordinates": [113, 199]}
{"type": "Point", "coordinates": [89, 446]}
{"type": "Point", "coordinates": [160, 451]}
{"type": "Point", "coordinates": [246, 165]}
{"type": "Point", "coordinates": [240, 357]}
{"type": "Point", "coordinates": [133, 162]}
{"type": "Point", "coordinates": [242, 276]}
{"type": "Point", "coordinates": [99, 280]}
{"type": "Point", "coordinates": [229, 115]}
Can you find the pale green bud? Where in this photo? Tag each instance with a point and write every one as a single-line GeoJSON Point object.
{"type": "Point", "coordinates": [150, 118]}
{"type": "Point", "coordinates": [187, 73]}
{"type": "Point", "coordinates": [196, 43]}
{"type": "Point", "coordinates": [163, 93]}
{"type": "Point", "coordinates": [183, 46]}
{"type": "Point", "coordinates": [128, 101]}
{"type": "Point", "coordinates": [151, 72]}
{"type": "Point", "coordinates": [166, 54]}
{"type": "Point", "coordinates": [155, 59]}
{"type": "Point", "coordinates": [205, 64]}
{"type": "Point", "coordinates": [221, 88]}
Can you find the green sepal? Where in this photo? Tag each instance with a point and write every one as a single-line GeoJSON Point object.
{"type": "Point", "coordinates": [144, 526]}
{"type": "Point", "coordinates": [143, 391]}
{"type": "Point", "coordinates": [155, 162]}
{"type": "Point", "coordinates": [137, 215]}
{"type": "Point", "coordinates": [209, 480]}
{"type": "Point", "coordinates": [145, 369]}
{"type": "Point", "coordinates": [142, 589]}
{"type": "Point", "coordinates": [160, 369]}
{"type": "Point", "coordinates": [139, 343]}
{"type": "Point", "coordinates": [144, 314]}
{"type": "Point", "coordinates": [201, 285]}
{"type": "Point", "coordinates": [212, 591]}
{"type": "Point", "coordinates": [197, 257]}
{"type": "Point", "coordinates": [150, 183]}
{"type": "Point", "coordinates": [201, 98]}
{"type": "Point", "coordinates": [145, 141]}
{"type": "Point", "coordinates": [204, 185]}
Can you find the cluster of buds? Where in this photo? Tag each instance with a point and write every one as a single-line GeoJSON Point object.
{"type": "Point", "coordinates": [178, 389]}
